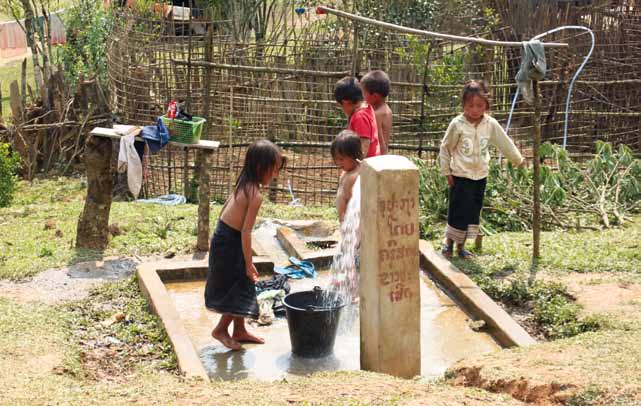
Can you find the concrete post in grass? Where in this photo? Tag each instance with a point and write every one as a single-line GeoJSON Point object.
{"type": "Point", "coordinates": [389, 272]}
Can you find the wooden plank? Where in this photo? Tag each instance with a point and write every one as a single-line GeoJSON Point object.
{"type": "Point", "coordinates": [111, 133]}
{"type": "Point", "coordinates": [16, 105]}
{"type": "Point", "coordinates": [160, 303]}
{"type": "Point", "coordinates": [23, 85]}
{"type": "Point", "coordinates": [502, 326]}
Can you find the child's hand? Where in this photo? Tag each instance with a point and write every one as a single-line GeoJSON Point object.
{"type": "Point", "coordinates": [450, 180]}
{"type": "Point", "coordinates": [252, 273]}
{"type": "Point", "coordinates": [522, 164]}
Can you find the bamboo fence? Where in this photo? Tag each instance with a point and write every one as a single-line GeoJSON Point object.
{"type": "Point", "coordinates": [282, 87]}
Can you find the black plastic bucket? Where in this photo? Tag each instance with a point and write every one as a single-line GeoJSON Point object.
{"type": "Point", "coordinates": [312, 322]}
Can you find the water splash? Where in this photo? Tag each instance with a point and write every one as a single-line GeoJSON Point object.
{"type": "Point", "coordinates": [343, 283]}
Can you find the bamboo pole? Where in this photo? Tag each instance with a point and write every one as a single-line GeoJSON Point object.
{"type": "Point", "coordinates": [423, 99]}
{"type": "Point", "coordinates": [542, 83]}
{"type": "Point", "coordinates": [262, 69]}
{"type": "Point", "coordinates": [355, 58]}
{"type": "Point", "coordinates": [407, 30]}
{"type": "Point", "coordinates": [231, 150]}
{"type": "Point", "coordinates": [189, 65]}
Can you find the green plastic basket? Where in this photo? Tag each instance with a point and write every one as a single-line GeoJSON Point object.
{"type": "Point", "coordinates": [185, 132]}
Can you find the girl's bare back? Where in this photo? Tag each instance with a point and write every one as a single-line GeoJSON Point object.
{"type": "Point", "coordinates": [235, 208]}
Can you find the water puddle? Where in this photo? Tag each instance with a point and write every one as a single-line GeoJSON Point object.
{"type": "Point", "coordinates": [445, 337]}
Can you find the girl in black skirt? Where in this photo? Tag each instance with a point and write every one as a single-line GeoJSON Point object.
{"type": "Point", "coordinates": [231, 276]}
{"type": "Point", "coordinates": [464, 158]}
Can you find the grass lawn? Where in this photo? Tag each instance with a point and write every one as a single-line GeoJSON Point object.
{"type": "Point", "coordinates": [73, 354]}
{"type": "Point", "coordinates": [38, 231]}
{"type": "Point", "coordinates": [8, 73]}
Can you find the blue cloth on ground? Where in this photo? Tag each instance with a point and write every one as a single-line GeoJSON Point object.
{"type": "Point", "coordinates": [156, 136]}
{"type": "Point", "coordinates": [298, 270]}
{"type": "Point", "coordinates": [168, 200]}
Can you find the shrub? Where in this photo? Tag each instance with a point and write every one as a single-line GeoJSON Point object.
{"type": "Point", "coordinates": [88, 27]}
{"type": "Point", "coordinates": [8, 167]}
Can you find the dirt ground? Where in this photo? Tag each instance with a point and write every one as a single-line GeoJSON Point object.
{"type": "Point", "coordinates": [55, 286]}
{"type": "Point", "coordinates": [601, 368]}
{"type": "Point", "coordinates": [603, 293]}
{"type": "Point", "coordinates": [38, 365]}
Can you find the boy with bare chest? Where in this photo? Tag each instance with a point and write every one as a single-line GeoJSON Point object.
{"type": "Point", "coordinates": [375, 85]}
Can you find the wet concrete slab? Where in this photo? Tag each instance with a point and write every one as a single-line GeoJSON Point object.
{"type": "Point", "coordinates": [446, 337]}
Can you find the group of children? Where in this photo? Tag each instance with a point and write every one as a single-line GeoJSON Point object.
{"type": "Point", "coordinates": [368, 130]}
{"type": "Point", "coordinates": [464, 158]}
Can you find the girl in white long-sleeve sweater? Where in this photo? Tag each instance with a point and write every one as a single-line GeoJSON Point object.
{"type": "Point", "coordinates": [464, 158]}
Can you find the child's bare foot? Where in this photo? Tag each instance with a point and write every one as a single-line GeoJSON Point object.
{"type": "Point", "coordinates": [226, 340]}
{"type": "Point", "coordinates": [244, 336]}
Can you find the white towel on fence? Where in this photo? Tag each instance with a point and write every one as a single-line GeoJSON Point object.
{"type": "Point", "coordinates": [129, 161]}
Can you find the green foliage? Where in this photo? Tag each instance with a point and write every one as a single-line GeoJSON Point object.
{"type": "Point", "coordinates": [8, 167]}
{"type": "Point", "coordinates": [553, 309]}
{"type": "Point", "coordinates": [432, 195]}
{"type": "Point", "coordinates": [608, 186]}
{"type": "Point", "coordinates": [420, 14]}
{"type": "Point", "coordinates": [11, 9]}
{"type": "Point", "coordinates": [603, 191]}
{"type": "Point", "coordinates": [88, 26]}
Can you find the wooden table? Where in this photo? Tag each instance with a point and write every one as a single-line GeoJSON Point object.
{"type": "Point", "coordinates": [93, 223]}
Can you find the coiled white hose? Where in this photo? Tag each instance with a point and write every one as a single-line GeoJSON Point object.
{"type": "Point", "coordinates": [576, 75]}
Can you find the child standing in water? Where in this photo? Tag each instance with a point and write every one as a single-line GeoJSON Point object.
{"type": "Point", "coordinates": [464, 158]}
{"type": "Point", "coordinates": [347, 154]}
{"type": "Point", "coordinates": [231, 275]}
{"type": "Point", "coordinates": [375, 85]}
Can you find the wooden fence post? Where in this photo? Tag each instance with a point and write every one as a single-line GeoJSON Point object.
{"type": "Point", "coordinates": [203, 200]}
{"type": "Point", "coordinates": [536, 174]}
{"type": "Point", "coordinates": [93, 223]}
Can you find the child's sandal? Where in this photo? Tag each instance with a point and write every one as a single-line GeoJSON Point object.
{"type": "Point", "coordinates": [446, 251]}
{"type": "Point", "coordinates": [465, 254]}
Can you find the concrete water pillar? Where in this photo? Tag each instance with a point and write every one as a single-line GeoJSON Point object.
{"type": "Point", "coordinates": [389, 272]}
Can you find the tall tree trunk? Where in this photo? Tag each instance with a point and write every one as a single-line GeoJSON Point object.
{"type": "Point", "coordinates": [47, 39]}
{"type": "Point", "coordinates": [29, 17]}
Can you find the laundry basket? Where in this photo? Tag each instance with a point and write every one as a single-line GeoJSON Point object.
{"type": "Point", "coordinates": [184, 132]}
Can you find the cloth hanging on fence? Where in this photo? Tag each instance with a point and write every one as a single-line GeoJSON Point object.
{"type": "Point", "coordinates": [533, 67]}
{"type": "Point", "coordinates": [129, 161]}
{"type": "Point", "coordinates": [298, 270]}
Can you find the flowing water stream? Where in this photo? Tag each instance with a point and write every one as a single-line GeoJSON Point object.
{"type": "Point", "coordinates": [343, 285]}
